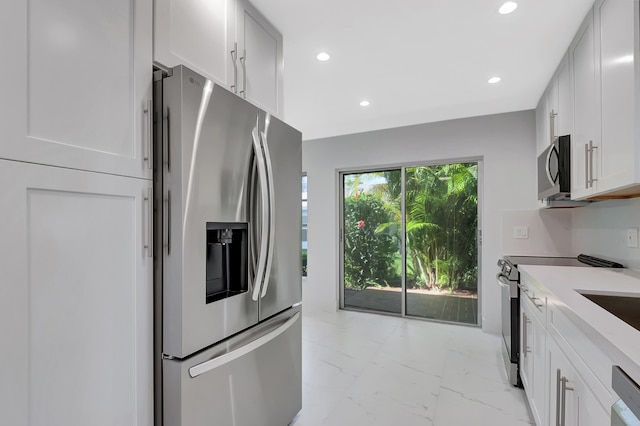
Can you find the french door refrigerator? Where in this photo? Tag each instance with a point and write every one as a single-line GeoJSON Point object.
{"type": "Point", "coordinates": [228, 278]}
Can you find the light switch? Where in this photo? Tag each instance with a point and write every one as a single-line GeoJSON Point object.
{"type": "Point", "coordinates": [520, 232]}
{"type": "Point", "coordinates": [632, 237]}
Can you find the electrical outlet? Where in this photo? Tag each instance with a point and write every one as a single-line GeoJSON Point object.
{"type": "Point", "coordinates": [520, 232]}
{"type": "Point", "coordinates": [632, 237]}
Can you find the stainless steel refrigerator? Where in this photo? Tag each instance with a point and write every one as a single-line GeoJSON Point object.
{"type": "Point", "coordinates": [228, 277]}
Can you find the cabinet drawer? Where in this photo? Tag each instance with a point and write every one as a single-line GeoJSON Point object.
{"type": "Point", "coordinates": [594, 366]}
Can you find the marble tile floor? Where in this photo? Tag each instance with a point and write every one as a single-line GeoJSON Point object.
{"type": "Point", "coordinates": [375, 370]}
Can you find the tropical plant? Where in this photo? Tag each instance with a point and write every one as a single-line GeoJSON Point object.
{"type": "Point", "coordinates": [368, 255]}
{"type": "Point", "coordinates": [441, 222]}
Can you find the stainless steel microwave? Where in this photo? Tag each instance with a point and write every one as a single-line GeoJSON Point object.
{"type": "Point", "coordinates": [554, 170]}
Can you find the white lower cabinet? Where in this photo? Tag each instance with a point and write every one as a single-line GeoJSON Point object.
{"type": "Point", "coordinates": [563, 401]}
{"type": "Point", "coordinates": [563, 372]}
{"type": "Point", "coordinates": [76, 314]}
{"type": "Point", "coordinates": [571, 401]}
{"type": "Point", "coordinates": [533, 355]}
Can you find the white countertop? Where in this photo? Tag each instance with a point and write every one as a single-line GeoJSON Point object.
{"type": "Point", "coordinates": [617, 339]}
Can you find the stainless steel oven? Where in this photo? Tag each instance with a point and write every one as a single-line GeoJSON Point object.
{"type": "Point", "coordinates": [508, 278]}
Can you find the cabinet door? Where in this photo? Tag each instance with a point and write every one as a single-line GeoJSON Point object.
{"type": "Point", "coordinates": [76, 82]}
{"type": "Point", "coordinates": [76, 298]}
{"type": "Point", "coordinates": [533, 358]}
{"type": "Point", "coordinates": [585, 127]}
{"type": "Point", "coordinates": [526, 349]}
{"type": "Point", "coordinates": [552, 108]}
{"type": "Point", "coordinates": [542, 129]}
{"type": "Point", "coordinates": [260, 49]}
{"type": "Point", "coordinates": [563, 401]}
{"type": "Point", "coordinates": [616, 47]}
{"type": "Point", "coordinates": [564, 120]}
{"type": "Point", "coordinates": [198, 34]}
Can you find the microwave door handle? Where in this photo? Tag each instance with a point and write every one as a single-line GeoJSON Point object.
{"type": "Point", "coordinates": [552, 181]}
{"type": "Point", "coordinates": [264, 225]}
{"type": "Point", "coordinates": [271, 189]}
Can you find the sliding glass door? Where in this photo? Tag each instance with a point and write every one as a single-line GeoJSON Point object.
{"type": "Point", "coordinates": [372, 254]}
{"type": "Point", "coordinates": [409, 241]}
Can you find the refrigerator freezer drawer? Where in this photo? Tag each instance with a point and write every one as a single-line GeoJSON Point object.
{"type": "Point", "coordinates": [254, 378]}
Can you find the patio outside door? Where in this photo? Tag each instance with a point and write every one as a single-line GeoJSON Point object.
{"type": "Point", "coordinates": [409, 241]}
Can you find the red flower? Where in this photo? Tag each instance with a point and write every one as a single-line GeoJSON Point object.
{"type": "Point", "coordinates": [361, 224]}
{"type": "Point", "coordinates": [357, 195]}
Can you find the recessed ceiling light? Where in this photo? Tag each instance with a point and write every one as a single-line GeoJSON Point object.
{"type": "Point", "coordinates": [508, 7]}
{"type": "Point", "coordinates": [494, 80]}
{"type": "Point", "coordinates": [365, 103]}
{"type": "Point", "coordinates": [323, 56]}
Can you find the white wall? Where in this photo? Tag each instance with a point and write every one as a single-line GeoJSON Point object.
{"type": "Point", "coordinates": [600, 230]}
{"type": "Point", "coordinates": [549, 232]}
{"type": "Point", "coordinates": [505, 142]}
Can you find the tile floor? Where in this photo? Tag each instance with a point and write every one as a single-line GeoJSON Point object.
{"type": "Point", "coordinates": [375, 370]}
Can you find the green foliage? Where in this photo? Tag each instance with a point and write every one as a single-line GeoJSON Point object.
{"type": "Point", "coordinates": [441, 223]}
{"type": "Point", "coordinates": [368, 252]}
{"type": "Point", "coordinates": [304, 262]}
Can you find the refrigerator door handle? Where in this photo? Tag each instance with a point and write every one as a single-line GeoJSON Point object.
{"type": "Point", "coordinates": [253, 228]}
{"type": "Point", "coordinates": [270, 187]}
{"type": "Point", "coordinates": [206, 366]}
{"type": "Point", "coordinates": [264, 237]}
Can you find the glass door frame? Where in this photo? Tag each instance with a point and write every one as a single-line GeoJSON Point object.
{"type": "Point", "coordinates": [402, 168]}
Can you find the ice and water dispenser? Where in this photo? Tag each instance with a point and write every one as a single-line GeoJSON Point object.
{"type": "Point", "coordinates": [227, 252]}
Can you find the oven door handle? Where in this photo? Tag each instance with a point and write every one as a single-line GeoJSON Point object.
{"type": "Point", "coordinates": [503, 281]}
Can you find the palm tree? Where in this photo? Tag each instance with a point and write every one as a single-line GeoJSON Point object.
{"type": "Point", "coordinates": [441, 222]}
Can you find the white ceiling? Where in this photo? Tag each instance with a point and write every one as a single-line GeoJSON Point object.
{"type": "Point", "coordinates": [416, 61]}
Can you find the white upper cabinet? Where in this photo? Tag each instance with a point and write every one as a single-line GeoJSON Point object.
{"type": "Point", "coordinates": [554, 113]}
{"type": "Point", "coordinates": [77, 84]}
{"type": "Point", "coordinates": [564, 118]}
{"type": "Point", "coordinates": [260, 53]}
{"type": "Point", "coordinates": [585, 126]}
{"type": "Point", "coordinates": [617, 88]}
{"type": "Point", "coordinates": [227, 41]}
{"type": "Point", "coordinates": [605, 140]}
{"type": "Point", "coordinates": [196, 33]}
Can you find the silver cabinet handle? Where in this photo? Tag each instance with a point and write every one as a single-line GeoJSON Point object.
{"type": "Point", "coordinates": [591, 178]}
{"type": "Point", "coordinates": [206, 366]}
{"type": "Point", "coordinates": [558, 375]}
{"type": "Point", "coordinates": [552, 124]}
{"type": "Point", "coordinates": [148, 201]}
{"type": "Point", "coordinates": [234, 59]}
{"type": "Point", "coordinates": [168, 219]}
{"type": "Point", "coordinates": [243, 63]}
{"type": "Point", "coordinates": [525, 343]}
{"type": "Point", "coordinates": [167, 139]}
{"type": "Point", "coordinates": [564, 389]}
{"type": "Point", "coordinates": [264, 238]}
{"type": "Point", "coordinates": [147, 108]}
{"type": "Point", "coordinates": [586, 166]}
{"type": "Point", "coordinates": [536, 301]}
{"type": "Point", "coordinates": [271, 190]}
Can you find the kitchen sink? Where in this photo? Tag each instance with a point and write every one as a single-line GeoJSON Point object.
{"type": "Point", "coordinates": [627, 308]}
